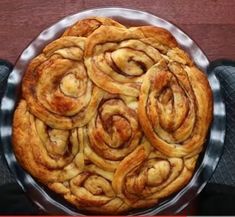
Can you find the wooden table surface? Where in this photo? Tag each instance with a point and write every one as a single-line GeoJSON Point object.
{"type": "Point", "coordinates": [211, 23]}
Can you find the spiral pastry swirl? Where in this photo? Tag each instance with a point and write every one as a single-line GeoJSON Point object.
{"type": "Point", "coordinates": [112, 118]}
{"type": "Point", "coordinates": [146, 176]}
{"type": "Point", "coordinates": [113, 132]}
{"type": "Point", "coordinates": [118, 58]}
{"type": "Point", "coordinates": [174, 110]}
{"type": "Point", "coordinates": [57, 88]}
{"type": "Point", "coordinates": [94, 192]}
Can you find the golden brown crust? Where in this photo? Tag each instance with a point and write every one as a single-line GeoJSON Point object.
{"type": "Point", "coordinates": [112, 118]}
{"type": "Point", "coordinates": [87, 26]}
{"type": "Point", "coordinates": [141, 179]}
{"type": "Point", "coordinates": [175, 108]}
{"type": "Point", "coordinates": [158, 35]}
{"type": "Point", "coordinates": [22, 132]}
{"type": "Point", "coordinates": [57, 88]}
{"type": "Point", "coordinates": [117, 58]}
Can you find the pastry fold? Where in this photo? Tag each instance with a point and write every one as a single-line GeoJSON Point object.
{"type": "Point", "coordinates": [57, 88]}
{"type": "Point", "coordinates": [118, 58]}
{"type": "Point", "coordinates": [175, 108]}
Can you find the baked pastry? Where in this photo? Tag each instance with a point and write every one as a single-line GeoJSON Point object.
{"type": "Point", "coordinates": [118, 58]}
{"type": "Point", "coordinates": [174, 110]}
{"type": "Point", "coordinates": [112, 118]}
{"type": "Point", "coordinates": [57, 88]}
{"type": "Point", "coordinates": [87, 26]}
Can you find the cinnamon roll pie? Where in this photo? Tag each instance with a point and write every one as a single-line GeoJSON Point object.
{"type": "Point", "coordinates": [112, 118]}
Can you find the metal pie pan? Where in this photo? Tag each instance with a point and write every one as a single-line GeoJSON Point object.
{"type": "Point", "coordinates": [50, 202]}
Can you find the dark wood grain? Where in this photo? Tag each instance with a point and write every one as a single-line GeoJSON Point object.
{"type": "Point", "coordinates": [211, 23]}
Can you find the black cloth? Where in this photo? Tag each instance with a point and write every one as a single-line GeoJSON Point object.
{"type": "Point", "coordinates": [13, 201]}
{"type": "Point", "coordinates": [215, 199]}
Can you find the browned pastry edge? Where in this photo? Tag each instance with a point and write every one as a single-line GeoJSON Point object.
{"type": "Point", "coordinates": [162, 35]}
{"type": "Point", "coordinates": [110, 34]}
{"type": "Point", "coordinates": [22, 148]}
{"type": "Point", "coordinates": [85, 27]}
